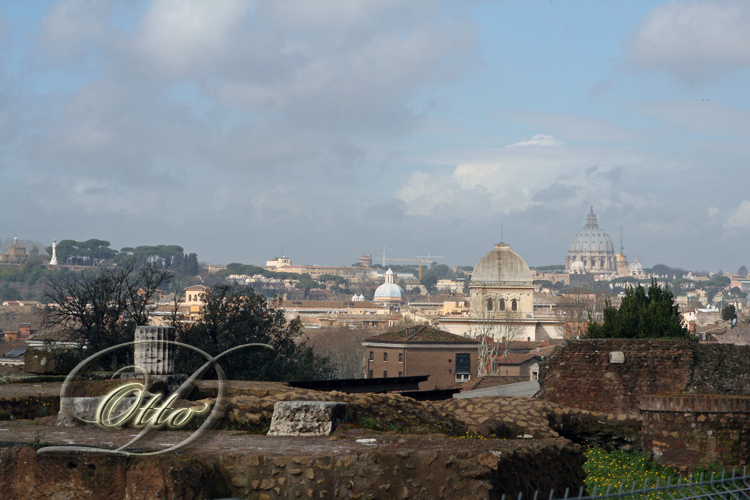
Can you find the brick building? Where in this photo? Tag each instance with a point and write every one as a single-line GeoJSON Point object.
{"type": "Point", "coordinates": [422, 350]}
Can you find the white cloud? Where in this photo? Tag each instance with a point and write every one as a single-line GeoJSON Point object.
{"type": "Point", "coordinates": [517, 178]}
{"type": "Point", "coordinates": [571, 127]}
{"type": "Point", "coordinates": [693, 39]}
{"type": "Point", "coordinates": [539, 140]}
{"type": "Point", "coordinates": [740, 217]}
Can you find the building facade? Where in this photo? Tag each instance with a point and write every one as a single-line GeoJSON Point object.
{"type": "Point", "coordinates": [501, 301]}
{"type": "Point", "coordinates": [422, 350]}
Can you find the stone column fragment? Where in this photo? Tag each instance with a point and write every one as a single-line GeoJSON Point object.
{"type": "Point", "coordinates": [156, 356]}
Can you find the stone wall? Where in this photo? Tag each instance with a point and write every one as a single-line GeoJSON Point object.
{"type": "Point", "coordinates": [579, 373]}
{"type": "Point", "coordinates": [721, 369]}
{"type": "Point", "coordinates": [685, 431]}
{"type": "Point", "coordinates": [395, 468]}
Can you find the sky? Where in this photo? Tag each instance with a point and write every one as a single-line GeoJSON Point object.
{"type": "Point", "coordinates": [327, 129]}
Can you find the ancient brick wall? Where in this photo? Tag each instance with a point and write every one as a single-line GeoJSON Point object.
{"type": "Point", "coordinates": [579, 374]}
{"type": "Point", "coordinates": [721, 369]}
{"type": "Point", "coordinates": [685, 431]}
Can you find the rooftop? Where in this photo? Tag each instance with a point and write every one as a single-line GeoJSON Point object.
{"type": "Point", "coordinates": [422, 335]}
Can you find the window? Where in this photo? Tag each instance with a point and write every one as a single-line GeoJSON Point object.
{"type": "Point", "coordinates": [463, 363]}
{"type": "Point", "coordinates": [372, 356]}
{"type": "Point", "coordinates": [401, 374]}
{"type": "Point", "coordinates": [385, 357]}
{"type": "Point", "coordinates": [385, 374]}
{"type": "Point", "coordinates": [514, 305]}
{"type": "Point", "coordinates": [401, 357]}
{"type": "Point", "coordinates": [370, 374]}
{"type": "Point", "coordinates": [502, 305]}
{"type": "Point", "coordinates": [489, 304]}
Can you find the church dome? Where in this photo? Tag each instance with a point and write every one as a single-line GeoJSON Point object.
{"type": "Point", "coordinates": [389, 291]}
{"type": "Point", "coordinates": [636, 266]}
{"type": "Point", "coordinates": [501, 264]}
{"type": "Point", "coordinates": [591, 238]}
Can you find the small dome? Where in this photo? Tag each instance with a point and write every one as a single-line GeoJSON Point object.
{"type": "Point", "coordinates": [591, 238]}
{"type": "Point", "coordinates": [636, 266]}
{"type": "Point", "coordinates": [389, 291]}
{"type": "Point", "coordinates": [501, 265]}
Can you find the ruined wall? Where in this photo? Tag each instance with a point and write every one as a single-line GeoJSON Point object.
{"type": "Point", "coordinates": [400, 469]}
{"type": "Point", "coordinates": [579, 373]}
{"type": "Point", "coordinates": [686, 431]}
{"type": "Point", "coordinates": [721, 369]}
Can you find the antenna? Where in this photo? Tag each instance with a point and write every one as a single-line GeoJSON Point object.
{"type": "Point", "coordinates": [385, 249]}
{"type": "Point", "coordinates": [501, 232]}
{"type": "Point", "coordinates": [621, 247]}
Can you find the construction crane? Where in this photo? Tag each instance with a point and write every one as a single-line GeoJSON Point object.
{"type": "Point", "coordinates": [418, 259]}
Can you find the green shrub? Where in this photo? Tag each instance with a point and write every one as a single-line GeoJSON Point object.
{"type": "Point", "coordinates": [370, 423]}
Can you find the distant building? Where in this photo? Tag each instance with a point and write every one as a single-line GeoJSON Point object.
{"type": "Point", "coordinates": [284, 265]}
{"type": "Point", "coordinates": [424, 350]}
{"type": "Point", "coordinates": [593, 247]}
{"type": "Point", "coordinates": [14, 254]}
{"type": "Point", "coordinates": [279, 262]}
{"type": "Point", "coordinates": [365, 260]}
{"type": "Point", "coordinates": [502, 301]}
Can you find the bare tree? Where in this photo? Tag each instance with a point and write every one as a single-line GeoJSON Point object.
{"type": "Point", "coordinates": [577, 306]}
{"type": "Point", "coordinates": [343, 347]}
{"type": "Point", "coordinates": [495, 327]}
{"type": "Point", "coordinates": [103, 308]}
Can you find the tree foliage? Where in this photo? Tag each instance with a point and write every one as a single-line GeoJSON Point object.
{"type": "Point", "coordinates": [236, 315]}
{"type": "Point", "coordinates": [728, 313]}
{"type": "Point", "coordinates": [641, 315]}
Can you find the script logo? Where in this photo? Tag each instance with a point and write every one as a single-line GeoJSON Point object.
{"type": "Point", "coordinates": [152, 415]}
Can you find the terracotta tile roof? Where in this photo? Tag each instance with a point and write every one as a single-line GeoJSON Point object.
{"type": "Point", "coordinates": [422, 335]}
{"type": "Point", "coordinates": [516, 359]}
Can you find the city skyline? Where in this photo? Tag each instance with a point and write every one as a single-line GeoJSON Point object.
{"type": "Point", "coordinates": [236, 128]}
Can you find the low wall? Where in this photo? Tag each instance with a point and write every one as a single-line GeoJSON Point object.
{"type": "Point", "coordinates": [579, 373]}
{"type": "Point", "coordinates": [267, 468]}
{"type": "Point", "coordinates": [686, 431]}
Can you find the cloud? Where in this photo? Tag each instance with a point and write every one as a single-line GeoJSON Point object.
{"type": "Point", "coordinates": [510, 179]}
{"type": "Point", "coordinates": [572, 127]}
{"type": "Point", "coordinates": [740, 217]}
{"type": "Point", "coordinates": [539, 140]}
{"type": "Point", "coordinates": [72, 26]}
{"type": "Point", "coordinates": [259, 115]}
{"type": "Point", "coordinates": [702, 117]}
{"type": "Point", "coordinates": [695, 40]}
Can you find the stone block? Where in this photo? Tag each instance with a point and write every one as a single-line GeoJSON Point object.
{"type": "Point", "coordinates": [616, 357]}
{"type": "Point", "coordinates": [308, 418]}
{"type": "Point", "coordinates": [86, 408]}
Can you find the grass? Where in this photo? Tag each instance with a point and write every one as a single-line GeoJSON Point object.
{"type": "Point", "coordinates": [610, 469]}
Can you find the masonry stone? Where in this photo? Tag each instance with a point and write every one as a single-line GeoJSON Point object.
{"type": "Point", "coordinates": [307, 418]}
